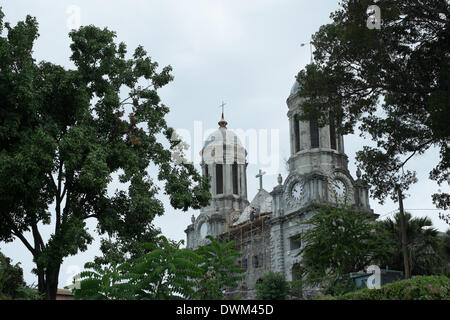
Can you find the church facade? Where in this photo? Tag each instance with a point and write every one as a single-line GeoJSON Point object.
{"type": "Point", "coordinates": [267, 230]}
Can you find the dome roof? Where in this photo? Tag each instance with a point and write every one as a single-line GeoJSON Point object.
{"type": "Point", "coordinates": [295, 87]}
{"type": "Point", "coordinates": [223, 142]}
{"type": "Point", "coordinates": [223, 145]}
{"type": "Point", "coordinates": [222, 136]}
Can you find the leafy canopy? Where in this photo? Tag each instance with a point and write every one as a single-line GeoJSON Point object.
{"type": "Point", "coordinates": [426, 247]}
{"type": "Point", "coordinates": [12, 285]}
{"type": "Point", "coordinates": [390, 83]}
{"type": "Point", "coordinates": [65, 133]}
{"type": "Point", "coordinates": [338, 241]}
{"type": "Point", "coordinates": [219, 267]}
{"type": "Point", "coordinates": [164, 272]}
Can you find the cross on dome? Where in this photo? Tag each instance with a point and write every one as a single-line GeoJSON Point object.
{"type": "Point", "coordinates": [222, 123]}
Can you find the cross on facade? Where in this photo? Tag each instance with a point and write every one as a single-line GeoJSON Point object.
{"type": "Point", "coordinates": [260, 175]}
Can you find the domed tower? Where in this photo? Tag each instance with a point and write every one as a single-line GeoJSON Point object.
{"type": "Point", "coordinates": [224, 161]}
{"type": "Point", "coordinates": [318, 174]}
{"type": "Point", "coordinates": [318, 165]}
{"type": "Point", "coordinates": [313, 148]}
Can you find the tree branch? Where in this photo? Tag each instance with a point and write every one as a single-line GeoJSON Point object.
{"type": "Point", "coordinates": [58, 198]}
{"type": "Point", "coordinates": [38, 242]}
{"type": "Point", "coordinates": [24, 241]}
{"type": "Point", "coordinates": [415, 151]}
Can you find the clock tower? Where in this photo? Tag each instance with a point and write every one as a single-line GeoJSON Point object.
{"type": "Point", "coordinates": [318, 165]}
{"type": "Point", "coordinates": [318, 174]}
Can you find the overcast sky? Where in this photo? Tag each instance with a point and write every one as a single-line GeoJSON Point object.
{"type": "Point", "coordinates": [243, 52]}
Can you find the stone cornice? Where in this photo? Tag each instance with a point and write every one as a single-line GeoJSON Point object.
{"type": "Point", "coordinates": [297, 212]}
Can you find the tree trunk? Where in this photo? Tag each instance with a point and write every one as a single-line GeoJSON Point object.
{"type": "Point", "coordinates": [404, 237]}
{"type": "Point", "coordinates": [52, 282]}
{"type": "Point", "coordinates": [41, 280]}
{"type": "Point", "coordinates": [48, 281]}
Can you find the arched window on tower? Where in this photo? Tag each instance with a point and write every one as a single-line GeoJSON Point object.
{"type": "Point", "coordinates": [314, 133]}
{"type": "Point", "coordinates": [234, 172]}
{"type": "Point", "coordinates": [297, 135]}
{"type": "Point", "coordinates": [219, 178]}
{"type": "Point", "coordinates": [332, 134]}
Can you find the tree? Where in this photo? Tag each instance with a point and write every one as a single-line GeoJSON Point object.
{"type": "Point", "coordinates": [339, 241]}
{"type": "Point", "coordinates": [11, 277]}
{"type": "Point", "coordinates": [166, 272]}
{"type": "Point", "coordinates": [117, 250]}
{"type": "Point", "coordinates": [392, 83]}
{"type": "Point", "coordinates": [220, 270]}
{"type": "Point", "coordinates": [273, 286]}
{"type": "Point", "coordinates": [445, 245]}
{"type": "Point", "coordinates": [64, 133]}
{"type": "Point", "coordinates": [425, 246]}
{"type": "Point", "coordinates": [12, 285]}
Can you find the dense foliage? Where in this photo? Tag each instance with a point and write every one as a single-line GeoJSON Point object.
{"type": "Point", "coordinates": [165, 272]}
{"type": "Point", "coordinates": [427, 249]}
{"type": "Point", "coordinates": [12, 285]}
{"type": "Point", "coordinates": [64, 135]}
{"type": "Point", "coordinates": [417, 288]}
{"type": "Point", "coordinates": [391, 83]}
{"type": "Point", "coordinates": [273, 286]}
{"type": "Point", "coordinates": [338, 241]}
{"type": "Point", "coordinates": [11, 277]}
{"type": "Point", "coordinates": [219, 269]}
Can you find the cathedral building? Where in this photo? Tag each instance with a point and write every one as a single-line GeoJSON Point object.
{"type": "Point", "coordinates": [266, 230]}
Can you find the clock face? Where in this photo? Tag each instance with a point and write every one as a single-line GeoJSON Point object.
{"type": "Point", "coordinates": [297, 190]}
{"type": "Point", "coordinates": [339, 188]}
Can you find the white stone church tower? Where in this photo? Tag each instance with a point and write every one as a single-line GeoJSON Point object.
{"type": "Point", "coordinates": [266, 231]}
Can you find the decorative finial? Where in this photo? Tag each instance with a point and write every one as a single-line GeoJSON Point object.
{"type": "Point", "coordinates": [192, 219]}
{"type": "Point", "coordinates": [222, 123]}
{"type": "Point", "coordinates": [280, 179]}
{"type": "Point", "coordinates": [358, 173]}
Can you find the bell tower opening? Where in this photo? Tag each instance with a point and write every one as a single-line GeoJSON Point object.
{"type": "Point", "coordinates": [313, 148]}
{"type": "Point", "coordinates": [297, 135]}
{"type": "Point", "coordinates": [314, 134]}
{"type": "Point", "coordinates": [219, 178]}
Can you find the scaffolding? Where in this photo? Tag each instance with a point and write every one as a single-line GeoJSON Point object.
{"type": "Point", "coordinates": [248, 237]}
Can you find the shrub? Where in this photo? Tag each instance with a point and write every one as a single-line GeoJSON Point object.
{"type": "Point", "coordinates": [296, 289]}
{"type": "Point", "coordinates": [272, 287]}
{"type": "Point", "coordinates": [417, 288]}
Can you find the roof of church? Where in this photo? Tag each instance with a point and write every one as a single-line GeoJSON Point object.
{"type": "Point", "coordinates": [295, 87]}
{"type": "Point", "coordinates": [222, 135]}
{"type": "Point", "coordinates": [262, 201]}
